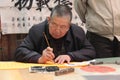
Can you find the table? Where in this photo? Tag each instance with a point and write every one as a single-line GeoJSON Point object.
{"type": "Point", "coordinates": [24, 74]}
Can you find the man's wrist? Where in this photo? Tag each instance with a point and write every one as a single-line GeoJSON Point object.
{"type": "Point", "coordinates": [70, 55]}
{"type": "Point", "coordinates": [41, 60]}
{"type": "Point", "coordinates": [34, 59]}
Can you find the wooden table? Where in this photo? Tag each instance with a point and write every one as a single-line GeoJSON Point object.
{"type": "Point", "coordinates": [24, 74]}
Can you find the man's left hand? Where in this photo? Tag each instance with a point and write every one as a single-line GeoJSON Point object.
{"type": "Point", "coordinates": [63, 58]}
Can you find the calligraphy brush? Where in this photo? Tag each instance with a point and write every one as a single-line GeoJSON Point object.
{"type": "Point", "coordinates": [46, 39]}
{"type": "Point", "coordinates": [51, 61]}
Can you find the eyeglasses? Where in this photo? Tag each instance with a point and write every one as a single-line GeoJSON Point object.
{"type": "Point", "coordinates": [60, 27]}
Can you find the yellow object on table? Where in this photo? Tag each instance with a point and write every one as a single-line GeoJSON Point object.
{"type": "Point", "coordinates": [20, 65]}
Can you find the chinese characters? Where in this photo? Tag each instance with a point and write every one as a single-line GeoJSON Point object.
{"type": "Point", "coordinates": [20, 4]}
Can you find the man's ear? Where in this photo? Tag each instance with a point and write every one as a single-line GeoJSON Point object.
{"type": "Point", "coordinates": [48, 18]}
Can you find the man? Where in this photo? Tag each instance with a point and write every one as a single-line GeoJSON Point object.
{"type": "Point", "coordinates": [102, 18]}
{"type": "Point", "coordinates": [55, 39]}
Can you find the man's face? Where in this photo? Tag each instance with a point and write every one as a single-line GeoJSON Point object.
{"type": "Point", "coordinates": [58, 26]}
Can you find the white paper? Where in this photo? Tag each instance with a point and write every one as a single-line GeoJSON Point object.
{"type": "Point", "coordinates": [84, 63]}
{"type": "Point", "coordinates": [14, 21]}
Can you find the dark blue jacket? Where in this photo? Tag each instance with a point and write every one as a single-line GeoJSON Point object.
{"type": "Point", "coordinates": [76, 44]}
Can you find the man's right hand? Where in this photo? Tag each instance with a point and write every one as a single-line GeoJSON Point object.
{"type": "Point", "coordinates": [47, 55]}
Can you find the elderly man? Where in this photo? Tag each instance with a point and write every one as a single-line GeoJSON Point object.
{"type": "Point", "coordinates": [55, 39]}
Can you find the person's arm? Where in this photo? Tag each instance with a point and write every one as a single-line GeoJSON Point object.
{"type": "Point", "coordinates": [27, 51]}
{"type": "Point", "coordinates": [80, 8]}
{"type": "Point", "coordinates": [85, 51]}
{"type": "Point", "coordinates": [84, 54]}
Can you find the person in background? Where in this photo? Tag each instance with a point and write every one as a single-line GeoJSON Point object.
{"type": "Point", "coordinates": [102, 19]}
{"type": "Point", "coordinates": [56, 39]}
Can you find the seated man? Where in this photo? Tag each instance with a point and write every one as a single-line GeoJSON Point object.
{"type": "Point", "coordinates": [55, 39]}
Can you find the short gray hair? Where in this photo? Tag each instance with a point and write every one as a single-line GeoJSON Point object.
{"type": "Point", "coordinates": [61, 11]}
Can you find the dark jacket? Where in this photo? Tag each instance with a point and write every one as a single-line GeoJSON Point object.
{"type": "Point", "coordinates": [76, 44]}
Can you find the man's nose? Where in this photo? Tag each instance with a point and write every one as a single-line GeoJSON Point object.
{"type": "Point", "coordinates": [58, 29]}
